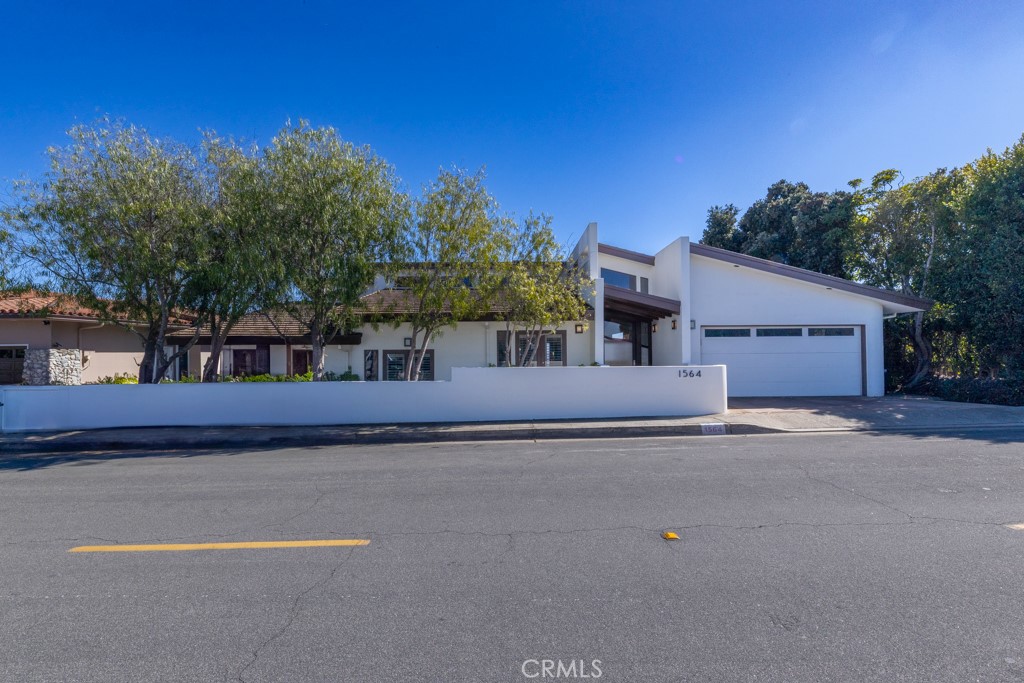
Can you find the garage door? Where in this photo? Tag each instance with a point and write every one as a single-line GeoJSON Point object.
{"type": "Point", "coordinates": [787, 361]}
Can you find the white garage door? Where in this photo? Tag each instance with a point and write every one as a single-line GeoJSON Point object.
{"type": "Point", "coordinates": [787, 361]}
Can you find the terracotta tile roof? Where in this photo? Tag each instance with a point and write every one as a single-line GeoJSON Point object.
{"type": "Point", "coordinates": [43, 305]}
{"type": "Point", "coordinates": [34, 304]}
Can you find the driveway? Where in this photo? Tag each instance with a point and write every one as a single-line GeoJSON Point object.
{"type": "Point", "coordinates": [859, 413]}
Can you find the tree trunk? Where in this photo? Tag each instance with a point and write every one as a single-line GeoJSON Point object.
{"type": "Point", "coordinates": [416, 362]}
{"type": "Point", "coordinates": [316, 336]}
{"type": "Point", "coordinates": [212, 365]}
{"type": "Point", "coordinates": [148, 359]}
{"type": "Point", "coordinates": [922, 353]}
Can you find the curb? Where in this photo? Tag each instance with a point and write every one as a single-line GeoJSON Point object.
{"type": "Point", "coordinates": [367, 435]}
{"type": "Point", "coordinates": [355, 436]}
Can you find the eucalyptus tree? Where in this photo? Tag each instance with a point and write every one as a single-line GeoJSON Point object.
{"type": "Point", "coordinates": [119, 222]}
{"type": "Point", "coordinates": [540, 289]}
{"type": "Point", "coordinates": [453, 253]}
{"type": "Point", "coordinates": [338, 219]}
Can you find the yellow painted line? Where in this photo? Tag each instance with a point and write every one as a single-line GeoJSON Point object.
{"type": "Point", "coordinates": [245, 545]}
{"type": "Point", "coordinates": [1018, 527]}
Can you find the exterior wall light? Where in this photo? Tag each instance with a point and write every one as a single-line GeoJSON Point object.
{"type": "Point", "coordinates": [693, 324]}
{"type": "Point", "coordinates": [675, 324]}
{"type": "Point", "coordinates": [579, 328]}
{"type": "Point", "coordinates": [407, 341]}
{"type": "Point", "coordinates": [654, 328]}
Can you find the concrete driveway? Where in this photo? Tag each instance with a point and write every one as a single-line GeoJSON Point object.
{"type": "Point", "coordinates": [859, 413]}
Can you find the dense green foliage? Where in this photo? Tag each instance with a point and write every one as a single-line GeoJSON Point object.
{"type": "Point", "coordinates": [956, 237]}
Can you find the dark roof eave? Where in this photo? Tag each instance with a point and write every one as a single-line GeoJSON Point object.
{"type": "Point", "coordinates": [651, 302]}
{"type": "Point", "coordinates": [625, 254]}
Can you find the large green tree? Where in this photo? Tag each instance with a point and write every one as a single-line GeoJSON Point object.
{"type": "Point", "coordinates": [339, 218]}
{"type": "Point", "coordinates": [453, 253]}
{"type": "Point", "coordinates": [539, 288]}
{"type": "Point", "coordinates": [791, 225]}
{"type": "Point", "coordinates": [721, 230]}
{"type": "Point", "coordinates": [119, 222]}
{"type": "Point", "coordinates": [242, 270]}
{"type": "Point", "coordinates": [979, 271]}
{"type": "Point", "coordinates": [903, 231]}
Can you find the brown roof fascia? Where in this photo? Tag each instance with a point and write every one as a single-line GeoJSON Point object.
{"type": "Point", "coordinates": [810, 276]}
{"type": "Point", "coordinates": [671, 306]}
{"type": "Point", "coordinates": [625, 253]}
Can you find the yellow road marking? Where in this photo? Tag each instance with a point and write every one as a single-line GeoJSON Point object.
{"type": "Point", "coordinates": [245, 545]}
{"type": "Point", "coordinates": [1018, 527]}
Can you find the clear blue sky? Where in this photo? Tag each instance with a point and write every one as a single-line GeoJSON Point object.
{"type": "Point", "coordinates": [637, 115]}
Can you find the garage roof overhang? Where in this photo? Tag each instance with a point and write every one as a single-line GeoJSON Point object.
{"type": "Point", "coordinates": [647, 306]}
{"type": "Point", "coordinates": [892, 302]}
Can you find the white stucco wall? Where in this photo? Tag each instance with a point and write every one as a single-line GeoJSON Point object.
{"type": "Point", "coordinates": [473, 394]}
{"type": "Point", "coordinates": [722, 294]}
{"type": "Point", "coordinates": [672, 280]}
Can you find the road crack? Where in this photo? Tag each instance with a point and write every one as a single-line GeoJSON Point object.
{"type": "Point", "coordinates": [292, 614]}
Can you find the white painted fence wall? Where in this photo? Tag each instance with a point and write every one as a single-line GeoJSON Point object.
{"type": "Point", "coordinates": [472, 395]}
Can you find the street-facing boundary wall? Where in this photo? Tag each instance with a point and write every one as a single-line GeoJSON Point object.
{"type": "Point", "coordinates": [472, 395]}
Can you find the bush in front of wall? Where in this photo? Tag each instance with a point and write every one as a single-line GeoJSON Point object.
{"type": "Point", "coordinates": [117, 378]}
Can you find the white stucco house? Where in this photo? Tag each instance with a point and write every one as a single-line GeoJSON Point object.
{"type": "Point", "coordinates": [779, 330]}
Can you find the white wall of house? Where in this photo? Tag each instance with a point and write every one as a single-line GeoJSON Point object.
{"type": "Point", "coordinates": [725, 295]}
{"type": "Point", "coordinates": [672, 280]}
{"type": "Point", "coordinates": [473, 394]}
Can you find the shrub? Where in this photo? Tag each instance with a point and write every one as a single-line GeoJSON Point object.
{"type": "Point", "coordinates": [1006, 392]}
{"type": "Point", "coordinates": [117, 379]}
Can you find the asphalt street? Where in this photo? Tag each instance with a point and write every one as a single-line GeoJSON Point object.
{"type": "Point", "coordinates": [818, 557]}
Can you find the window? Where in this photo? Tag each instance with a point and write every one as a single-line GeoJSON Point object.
{"type": "Point", "coordinates": [550, 349]}
{"type": "Point", "coordinates": [397, 364]}
{"type": "Point", "coordinates": [370, 365]}
{"type": "Point", "coordinates": [727, 332]}
{"type": "Point", "coordinates": [617, 279]}
{"type": "Point", "coordinates": [249, 362]}
{"type": "Point", "coordinates": [12, 362]}
{"type": "Point", "coordinates": [394, 366]}
{"type": "Point", "coordinates": [618, 331]}
{"type": "Point", "coordinates": [553, 349]}
{"type": "Point", "coordinates": [427, 367]}
{"type": "Point", "coordinates": [829, 331]}
{"type": "Point", "coordinates": [645, 285]}
{"type": "Point", "coordinates": [780, 332]}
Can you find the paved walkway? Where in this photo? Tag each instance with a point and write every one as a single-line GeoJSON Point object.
{"type": "Point", "coordinates": [745, 416]}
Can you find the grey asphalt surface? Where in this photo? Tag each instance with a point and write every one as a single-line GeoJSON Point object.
{"type": "Point", "coordinates": [817, 557]}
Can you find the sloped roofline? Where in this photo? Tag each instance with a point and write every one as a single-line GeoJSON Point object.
{"type": "Point", "coordinates": [898, 298]}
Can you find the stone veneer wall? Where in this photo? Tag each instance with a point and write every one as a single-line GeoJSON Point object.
{"type": "Point", "coordinates": [53, 366]}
